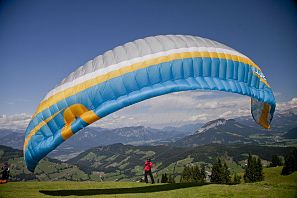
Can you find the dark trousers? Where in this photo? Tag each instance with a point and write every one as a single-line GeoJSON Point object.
{"type": "Point", "coordinates": [151, 176]}
{"type": "Point", "coordinates": [5, 175]}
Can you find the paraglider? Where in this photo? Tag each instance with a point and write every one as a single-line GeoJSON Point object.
{"type": "Point", "coordinates": [148, 171]}
{"type": "Point", "coordinates": [5, 171]}
{"type": "Point", "coordinates": [137, 71]}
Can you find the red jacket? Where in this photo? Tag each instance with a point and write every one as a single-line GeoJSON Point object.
{"type": "Point", "coordinates": [148, 166]}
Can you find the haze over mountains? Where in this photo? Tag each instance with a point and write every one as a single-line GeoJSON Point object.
{"type": "Point", "coordinates": [239, 130]}
{"type": "Point", "coordinates": [91, 137]}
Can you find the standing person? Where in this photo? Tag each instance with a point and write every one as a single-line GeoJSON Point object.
{"type": "Point", "coordinates": [4, 173]}
{"type": "Point", "coordinates": [148, 171]}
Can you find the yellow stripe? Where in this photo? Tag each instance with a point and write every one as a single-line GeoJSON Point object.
{"type": "Point", "coordinates": [264, 116]}
{"type": "Point", "coordinates": [71, 113]}
{"type": "Point", "coordinates": [130, 68]}
{"type": "Point", "coordinates": [89, 117]}
{"type": "Point", "coordinates": [66, 132]}
{"type": "Point", "coordinates": [36, 128]}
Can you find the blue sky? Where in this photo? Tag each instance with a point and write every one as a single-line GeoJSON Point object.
{"type": "Point", "coordinates": [41, 42]}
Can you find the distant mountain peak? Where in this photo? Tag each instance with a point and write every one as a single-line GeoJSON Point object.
{"type": "Point", "coordinates": [132, 127]}
{"type": "Point", "coordinates": [291, 134]}
{"type": "Point", "coordinates": [291, 111]}
{"type": "Point", "coordinates": [212, 124]}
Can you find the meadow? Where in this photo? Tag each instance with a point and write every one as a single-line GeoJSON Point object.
{"type": "Point", "coordinates": [274, 185]}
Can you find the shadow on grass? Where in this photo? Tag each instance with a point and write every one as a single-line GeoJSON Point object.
{"type": "Point", "coordinates": [108, 191]}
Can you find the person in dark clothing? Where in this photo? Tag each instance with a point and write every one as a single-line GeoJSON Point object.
{"type": "Point", "coordinates": [4, 173]}
{"type": "Point", "coordinates": [148, 171]}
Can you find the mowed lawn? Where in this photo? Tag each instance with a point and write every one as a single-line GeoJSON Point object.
{"type": "Point", "coordinates": [274, 185]}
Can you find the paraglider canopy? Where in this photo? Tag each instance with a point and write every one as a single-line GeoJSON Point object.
{"type": "Point", "coordinates": [137, 71]}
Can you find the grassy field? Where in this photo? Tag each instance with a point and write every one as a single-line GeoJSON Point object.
{"type": "Point", "coordinates": [274, 185]}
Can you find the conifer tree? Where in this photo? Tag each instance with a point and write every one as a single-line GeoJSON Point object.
{"type": "Point", "coordinates": [253, 170]}
{"type": "Point", "coordinates": [193, 174]}
{"type": "Point", "coordinates": [203, 173]}
{"type": "Point", "coordinates": [196, 177]}
{"type": "Point", "coordinates": [215, 176]}
{"type": "Point", "coordinates": [259, 170]}
{"type": "Point", "coordinates": [248, 176]}
{"type": "Point", "coordinates": [226, 174]}
{"type": "Point", "coordinates": [164, 178]}
{"type": "Point", "coordinates": [186, 175]}
{"type": "Point", "coordinates": [236, 179]}
{"type": "Point", "coordinates": [290, 163]}
{"type": "Point", "coordinates": [171, 179]}
{"type": "Point", "coordinates": [276, 161]}
{"type": "Point", "coordinates": [220, 173]}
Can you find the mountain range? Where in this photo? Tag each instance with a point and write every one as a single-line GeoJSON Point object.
{"type": "Point", "coordinates": [118, 154]}
{"type": "Point", "coordinates": [95, 136]}
{"type": "Point", "coordinates": [91, 137]}
{"type": "Point", "coordinates": [239, 130]}
{"type": "Point", "coordinates": [245, 131]}
{"type": "Point", "coordinates": [218, 131]}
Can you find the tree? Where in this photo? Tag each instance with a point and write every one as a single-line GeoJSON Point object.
{"type": "Point", "coordinates": [216, 176]}
{"type": "Point", "coordinates": [236, 179]}
{"type": "Point", "coordinates": [203, 173]}
{"type": "Point", "coordinates": [253, 170]}
{"type": "Point", "coordinates": [276, 161]}
{"type": "Point", "coordinates": [226, 174]}
{"type": "Point", "coordinates": [290, 163]}
{"type": "Point", "coordinates": [259, 170]}
{"type": "Point", "coordinates": [171, 179]}
{"type": "Point", "coordinates": [196, 177]}
{"type": "Point", "coordinates": [193, 174]}
{"type": "Point", "coordinates": [186, 175]}
{"type": "Point", "coordinates": [220, 173]}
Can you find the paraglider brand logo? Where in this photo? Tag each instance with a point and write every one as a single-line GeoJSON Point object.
{"type": "Point", "coordinates": [258, 73]}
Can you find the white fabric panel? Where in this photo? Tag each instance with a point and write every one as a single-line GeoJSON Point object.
{"type": "Point", "coordinates": [138, 51]}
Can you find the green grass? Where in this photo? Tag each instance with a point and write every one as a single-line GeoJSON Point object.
{"type": "Point", "coordinates": [274, 185]}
